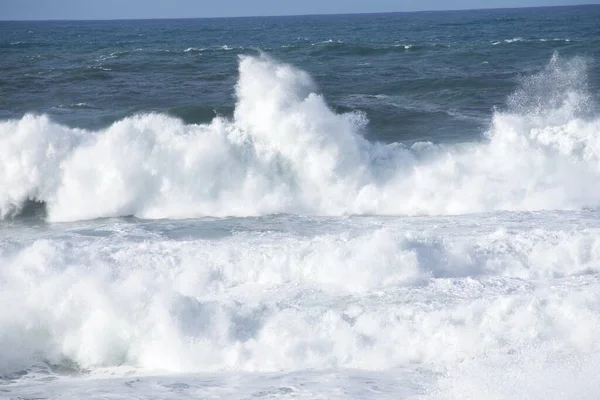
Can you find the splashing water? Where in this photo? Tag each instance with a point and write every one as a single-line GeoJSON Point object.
{"type": "Point", "coordinates": [475, 300]}
{"type": "Point", "coordinates": [285, 151]}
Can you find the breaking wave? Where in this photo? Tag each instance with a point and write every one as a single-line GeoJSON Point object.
{"type": "Point", "coordinates": [285, 151]}
{"type": "Point", "coordinates": [247, 302]}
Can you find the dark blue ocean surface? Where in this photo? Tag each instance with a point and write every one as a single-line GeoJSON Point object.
{"type": "Point", "coordinates": [433, 76]}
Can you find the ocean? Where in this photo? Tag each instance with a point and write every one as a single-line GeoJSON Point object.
{"type": "Point", "coordinates": [380, 206]}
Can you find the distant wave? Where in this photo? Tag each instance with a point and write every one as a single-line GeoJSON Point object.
{"type": "Point", "coordinates": [323, 47]}
{"type": "Point", "coordinates": [522, 40]}
{"type": "Point", "coordinates": [193, 50]}
{"type": "Point", "coordinates": [82, 105]}
{"type": "Point", "coordinates": [285, 151]}
{"type": "Point", "coordinates": [25, 44]}
{"type": "Point", "coordinates": [339, 47]}
{"type": "Point", "coordinates": [327, 42]}
{"type": "Point", "coordinates": [165, 52]}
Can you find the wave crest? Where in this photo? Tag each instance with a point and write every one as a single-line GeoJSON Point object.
{"type": "Point", "coordinates": [286, 151]}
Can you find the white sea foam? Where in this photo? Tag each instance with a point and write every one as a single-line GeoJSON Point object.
{"type": "Point", "coordinates": [285, 151]}
{"type": "Point", "coordinates": [380, 296]}
{"type": "Point", "coordinates": [531, 375]}
{"type": "Point", "coordinates": [513, 40]}
{"type": "Point", "coordinates": [555, 40]}
{"type": "Point", "coordinates": [193, 50]}
{"type": "Point", "coordinates": [330, 41]}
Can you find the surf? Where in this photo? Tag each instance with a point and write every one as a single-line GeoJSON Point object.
{"type": "Point", "coordinates": [286, 151]}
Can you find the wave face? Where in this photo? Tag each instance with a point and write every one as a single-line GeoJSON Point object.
{"type": "Point", "coordinates": [286, 151]}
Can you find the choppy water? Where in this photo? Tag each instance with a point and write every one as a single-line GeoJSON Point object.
{"type": "Point", "coordinates": [369, 206]}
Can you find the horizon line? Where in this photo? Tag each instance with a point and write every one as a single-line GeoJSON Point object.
{"type": "Point", "coordinates": [301, 15]}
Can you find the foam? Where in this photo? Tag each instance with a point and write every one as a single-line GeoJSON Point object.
{"type": "Point", "coordinates": [32, 151]}
{"type": "Point", "coordinates": [193, 50]}
{"type": "Point", "coordinates": [531, 374]}
{"type": "Point", "coordinates": [285, 151]}
{"type": "Point", "coordinates": [270, 302]}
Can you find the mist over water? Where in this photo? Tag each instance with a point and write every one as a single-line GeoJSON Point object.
{"type": "Point", "coordinates": [410, 215]}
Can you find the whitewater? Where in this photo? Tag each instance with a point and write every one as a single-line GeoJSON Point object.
{"type": "Point", "coordinates": [352, 268]}
{"type": "Point", "coordinates": [281, 251]}
{"type": "Point", "coordinates": [286, 151]}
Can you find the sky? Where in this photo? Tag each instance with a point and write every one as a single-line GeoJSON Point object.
{"type": "Point", "coordinates": [134, 9]}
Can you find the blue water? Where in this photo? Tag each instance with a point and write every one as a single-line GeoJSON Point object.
{"type": "Point", "coordinates": [444, 72]}
{"type": "Point", "coordinates": [316, 207]}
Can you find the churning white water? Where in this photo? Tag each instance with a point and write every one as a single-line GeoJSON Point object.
{"type": "Point", "coordinates": [285, 151]}
{"type": "Point", "coordinates": [348, 269]}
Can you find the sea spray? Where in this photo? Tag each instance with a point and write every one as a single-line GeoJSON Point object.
{"type": "Point", "coordinates": [286, 151]}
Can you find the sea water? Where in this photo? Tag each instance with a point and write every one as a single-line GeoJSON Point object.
{"type": "Point", "coordinates": [335, 207]}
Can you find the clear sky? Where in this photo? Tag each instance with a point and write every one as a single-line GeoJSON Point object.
{"type": "Point", "coordinates": [113, 9]}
